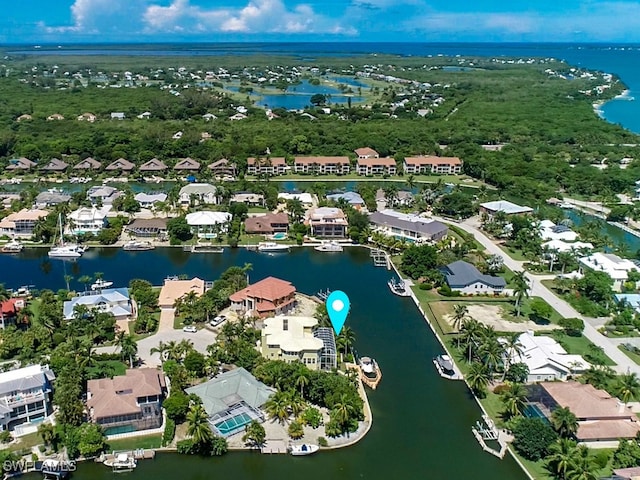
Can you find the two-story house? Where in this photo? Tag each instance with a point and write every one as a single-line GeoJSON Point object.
{"type": "Point", "coordinates": [268, 297]}
{"type": "Point", "coordinates": [322, 165]}
{"type": "Point", "coordinates": [26, 396]}
{"type": "Point", "coordinates": [22, 223]}
{"type": "Point", "coordinates": [129, 402]}
{"type": "Point", "coordinates": [112, 300]}
{"type": "Point", "coordinates": [87, 220]}
{"type": "Point", "coordinates": [327, 222]}
{"type": "Point", "coordinates": [197, 194]}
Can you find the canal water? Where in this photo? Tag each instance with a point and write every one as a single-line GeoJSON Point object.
{"type": "Point", "coordinates": [421, 422]}
{"type": "Point", "coordinates": [619, 236]}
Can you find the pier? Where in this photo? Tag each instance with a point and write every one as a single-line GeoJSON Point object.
{"type": "Point", "coordinates": [274, 447]}
{"type": "Point", "coordinates": [486, 430]}
{"type": "Point", "coordinates": [380, 258]}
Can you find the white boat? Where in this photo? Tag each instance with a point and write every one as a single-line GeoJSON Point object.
{"type": "Point", "coordinates": [69, 250]}
{"type": "Point", "coordinates": [12, 247]}
{"type": "Point", "coordinates": [100, 284]}
{"type": "Point", "coordinates": [137, 245]}
{"type": "Point", "coordinates": [331, 246]}
{"type": "Point", "coordinates": [122, 463]}
{"type": "Point", "coordinates": [398, 287]}
{"type": "Point", "coordinates": [272, 247]}
{"type": "Point", "coordinates": [368, 366]}
{"type": "Point", "coordinates": [304, 449]}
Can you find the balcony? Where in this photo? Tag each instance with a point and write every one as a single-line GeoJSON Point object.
{"type": "Point", "coordinates": [22, 398]}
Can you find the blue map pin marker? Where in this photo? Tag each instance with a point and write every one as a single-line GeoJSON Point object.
{"type": "Point", "coordinates": [338, 308]}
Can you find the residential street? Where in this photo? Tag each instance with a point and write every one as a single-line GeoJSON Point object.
{"type": "Point", "coordinates": [623, 363]}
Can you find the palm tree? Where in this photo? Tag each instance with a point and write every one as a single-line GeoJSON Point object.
{"type": "Point", "coordinates": [302, 380]}
{"type": "Point", "coordinates": [128, 346]}
{"type": "Point", "coordinates": [346, 339]}
{"type": "Point", "coordinates": [85, 280]}
{"type": "Point", "coordinates": [297, 405]}
{"type": "Point", "coordinates": [563, 454]}
{"type": "Point", "coordinates": [254, 434]}
{"type": "Point", "coordinates": [513, 350]}
{"type": "Point", "coordinates": [520, 289]}
{"type": "Point", "coordinates": [514, 398]}
{"type": "Point", "coordinates": [471, 334]}
{"type": "Point", "coordinates": [459, 313]}
{"type": "Point", "coordinates": [478, 378]}
{"type": "Point", "coordinates": [582, 467]}
{"type": "Point", "coordinates": [277, 407]}
{"type": "Point", "coordinates": [564, 422]}
{"type": "Point", "coordinates": [491, 352]}
{"type": "Point", "coordinates": [390, 194]}
{"type": "Point", "coordinates": [627, 387]}
{"type": "Point", "coordinates": [343, 410]}
{"type": "Point", "coordinates": [564, 259]}
{"type": "Point", "coordinates": [198, 425]}
{"type": "Point", "coordinates": [411, 182]}
{"type": "Point", "coordinates": [162, 349]}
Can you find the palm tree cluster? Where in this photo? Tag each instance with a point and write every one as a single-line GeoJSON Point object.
{"type": "Point", "coordinates": [569, 461]}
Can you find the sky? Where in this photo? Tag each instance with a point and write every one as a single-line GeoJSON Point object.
{"type": "Point", "coordinates": [139, 21]}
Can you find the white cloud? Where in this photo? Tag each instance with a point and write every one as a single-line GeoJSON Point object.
{"type": "Point", "coordinates": [102, 16]}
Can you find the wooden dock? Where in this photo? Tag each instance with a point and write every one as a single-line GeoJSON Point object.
{"type": "Point", "coordinates": [139, 454]}
{"type": "Point", "coordinates": [274, 446]}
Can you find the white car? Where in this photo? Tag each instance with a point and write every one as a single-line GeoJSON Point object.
{"type": "Point", "coordinates": [189, 329]}
{"type": "Point", "coordinates": [218, 320]}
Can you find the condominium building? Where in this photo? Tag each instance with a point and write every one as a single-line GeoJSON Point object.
{"type": "Point", "coordinates": [431, 164]}
{"type": "Point", "coordinates": [322, 165]}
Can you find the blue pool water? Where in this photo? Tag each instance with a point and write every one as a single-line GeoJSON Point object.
{"type": "Point", "coordinates": [230, 425]}
{"type": "Point", "coordinates": [279, 236]}
{"type": "Point", "coordinates": [533, 411]}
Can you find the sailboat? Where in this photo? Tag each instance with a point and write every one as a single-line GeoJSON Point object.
{"type": "Point", "coordinates": [70, 250]}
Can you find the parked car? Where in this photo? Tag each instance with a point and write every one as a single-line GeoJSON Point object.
{"type": "Point", "coordinates": [218, 320]}
{"type": "Point", "coordinates": [189, 329]}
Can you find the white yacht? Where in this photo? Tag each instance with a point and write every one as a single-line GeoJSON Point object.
{"type": "Point", "coordinates": [304, 449]}
{"type": "Point", "coordinates": [100, 284]}
{"type": "Point", "coordinates": [331, 246]}
{"type": "Point", "coordinates": [69, 250]}
{"type": "Point", "coordinates": [272, 247]}
{"type": "Point", "coordinates": [12, 247]}
{"type": "Point", "coordinates": [398, 287]}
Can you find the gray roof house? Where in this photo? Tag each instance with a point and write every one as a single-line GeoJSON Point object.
{"type": "Point", "coordinates": [230, 394]}
{"type": "Point", "coordinates": [202, 193]}
{"type": "Point", "coordinates": [121, 164]}
{"type": "Point", "coordinates": [104, 194]}
{"type": "Point", "coordinates": [49, 199]}
{"type": "Point", "coordinates": [88, 164]}
{"type": "Point", "coordinates": [466, 278]}
{"type": "Point", "coordinates": [410, 227]}
{"type": "Point", "coordinates": [21, 163]}
{"type": "Point", "coordinates": [55, 165]}
{"type": "Point", "coordinates": [112, 300]}
{"type": "Point", "coordinates": [153, 165]}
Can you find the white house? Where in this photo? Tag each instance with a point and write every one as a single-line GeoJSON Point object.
{"type": "Point", "coordinates": [551, 231]}
{"type": "Point", "coordinates": [617, 268]}
{"type": "Point", "coordinates": [103, 194]}
{"type": "Point", "coordinates": [88, 220]}
{"type": "Point", "coordinates": [148, 200]}
{"type": "Point", "coordinates": [112, 300]}
{"type": "Point", "coordinates": [305, 198]}
{"type": "Point", "coordinates": [208, 224]}
{"type": "Point", "coordinates": [504, 206]}
{"type": "Point", "coordinates": [546, 359]}
{"type": "Point", "coordinates": [560, 246]}
{"type": "Point", "coordinates": [200, 193]}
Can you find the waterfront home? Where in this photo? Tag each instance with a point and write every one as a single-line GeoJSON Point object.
{"type": "Point", "coordinates": [617, 268]}
{"type": "Point", "coordinates": [87, 220]}
{"type": "Point", "coordinates": [55, 117]}
{"type": "Point", "coordinates": [467, 279]}
{"type": "Point", "coordinates": [198, 193]}
{"type": "Point", "coordinates": [223, 168]}
{"type": "Point", "coordinates": [366, 152]}
{"type": "Point", "coordinates": [147, 228]}
{"type": "Point", "coordinates": [173, 289]}
{"type": "Point", "coordinates": [88, 164]}
{"type": "Point", "coordinates": [129, 402]}
{"type": "Point", "coordinates": [430, 164]}
{"type": "Point", "coordinates": [504, 206]}
{"type": "Point", "coordinates": [21, 224]}
{"type": "Point", "coordinates": [413, 228]}
{"type": "Point", "coordinates": [560, 246]}
{"type": "Point", "coordinates": [352, 198]}
{"type": "Point", "coordinates": [630, 299]}
{"type": "Point", "coordinates": [9, 311]}
{"type": "Point", "coordinates": [111, 300]}
{"type": "Point", "coordinates": [327, 222]}
{"type": "Point", "coordinates": [51, 199]}
{"type": "Point", "coordinates": [545, 358]}
{"type": "Point", "coordinates": [6, 199]}
{"type": "Point", "coordinates": [87, 117]}
{"type": "Point", "coordinates": [403, 198]}
{"type": "Point", "coordinates": [322, 165]}
{"type": "Point", "coordinates": [551, 231]}
{"type": "Point", "coordinates": [187, 165]}
{"type": "Point", "coordinates": [120, 164]}
{"type": "Point", "coordinates": [55, 165]}
{"type": "Point", "coordinates": [230, 395]}
{"type": "Point", "coordinates": [148, 200]}
{"type": "Point", "coordinates": [26, 397]}
{"type": "Point", "coordinates": [376, 166]}
{"type": "Point", "coordinates": [267, 166]}
{"type": "Point", "coordinates": [103, 195]}
{"type": "Point", "coordinates": [208, 224]}
{"type": "Point", "coordinates": [153, 165]}
{"type": "Point", "coordinates": [266, 298]}
{"type": "Point", "coordinates": [306, 199]}
{"type": "Point", "coordinates": [117, 116]}
{"type": "Point", "coordinates": [251, 199]}
{"type": "Point", "coordinates": [601, 417]}
{"type": "Point", "coordinates": [297, 339]}
{"type": "Point", "coordinates": [267, 224]}
{"type": "Point", "coordinates": [21, 163]}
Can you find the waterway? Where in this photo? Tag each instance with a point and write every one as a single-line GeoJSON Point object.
{"type": "Point", "coordinates": [421, 422]}
{"type": "Point", "coordinates": [619, 236]}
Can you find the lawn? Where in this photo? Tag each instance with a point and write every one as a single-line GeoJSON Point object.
{"type": "Point", "coordinates": [26, 442]}
{"type": "Point", "coordinates": [581, 346]}
{"type": "Point", "coordinates": [132, 443]}
{"type": "Point", "coordinates": [115, 366]}
{"type": "Point", "coordinates": [632, 355]}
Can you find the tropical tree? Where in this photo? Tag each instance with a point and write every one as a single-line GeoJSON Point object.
{"type": "Point", "coordinates": [162, 349]}
{"type": "Point", "coordinates": [85, 280]}
{"type": "Point", "coordinates": [296, 430]}
{"type": "Point", "coordinates": [520, 289]}
{"type": "Point", "coordinates": [471, 334]}
{"type": "Point", "coordinates": [514, 398]}
{"type": "Point", "coordinates": [583, 467]}
{"type": "Point", "coordinates": [302, 380]}
{"type": "Point", "coordinates": [346, 339]}
{"type": "Point", "coordinates": [277, 407]}
{"type": "Point", "coordinates": [128, 346]}
{"type": "Point", "coordinates": [254, 434]}
{"type": "Point", "coordinates": [198, 425]}
{"type": "Point", "coordinates": [564, 422]}
{"type": "Point", "coordinates": [343, 410]}
{"type": "Point", "coordinates": [513, 351]}
{"type": "Point", "coordinates": [562, 456]}
{"type": "Point", "coordinates": [627, 386]}
{"type": "Point", "coordinates": [460, 311]}
{"type": "Point", "coordinates": [478, 378]}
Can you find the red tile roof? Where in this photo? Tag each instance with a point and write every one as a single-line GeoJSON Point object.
{"type": "Point", "coordinates": [274, 161]}
{"type": "Point", "coordinates": [321, 160]}
{"type": "Point", "coordinates": [432, 160]}
{"type": "Point", "coordinates": [11, 306]}
{"type": "Point", "coordinates": [385, 162]}
{"type": "Point", "coordinates": [366, 152]}
{"type": "Point", "coordinates": [270, 289]}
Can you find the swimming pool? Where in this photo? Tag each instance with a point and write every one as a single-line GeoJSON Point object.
{"type": "Point", "coordinates": [230, 425]}
{"type": "Point", "coordinates": [531, 410]}
{"type": "Point", "coordinates": [279, 236]}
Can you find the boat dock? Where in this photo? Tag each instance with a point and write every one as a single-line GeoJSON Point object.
{"type": "Point", "coordinates": [380, 258]}
{"type": "Point", "coordinates": [322, 295]}
{"type": "Point", "coordinates": [486, 430]}
{"type": "Point", "coordinates": [138, 454]}
{"type": "Point", "coordinates": [202, 249]}
{"type": "Point", "coordinates": [274, 447]}
{"type": "Point", "coordinates": [453, 374]}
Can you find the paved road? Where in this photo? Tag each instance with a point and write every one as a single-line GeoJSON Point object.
{"type": "Point", "coordinates": [166, 333]}
{"type": "Point", "coordinates": [623, 363]}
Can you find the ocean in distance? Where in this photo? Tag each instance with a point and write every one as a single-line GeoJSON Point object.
{"type": "Point", "coordinates": [619, 59]}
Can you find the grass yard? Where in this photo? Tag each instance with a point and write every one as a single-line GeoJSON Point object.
{"type": "Point", "coordinates": [632, 355]}
{"type": "Point", "coordinates": [26, 442]}
{"type": "Point", "coordinates": [147, 441]}
{"type": "Point", "coordinates": [581, 346]}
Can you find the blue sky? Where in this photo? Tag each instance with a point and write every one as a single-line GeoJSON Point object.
{"type": "Point", "coordinates": [74, 21]}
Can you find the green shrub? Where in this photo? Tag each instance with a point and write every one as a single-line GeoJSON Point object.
{"type": "Point", "coordinates": [323, 442]}
{"type": "Point", "coordinates": [312, 417]}
{"type": "Point", "coordinates": [169, 432]}
{"type": "Point", "coordinates": [572, 326]}
{"type": "Point", "coordinates": [187, 447]}
{"type": "Point", "coordinates": [426, 286]}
